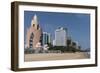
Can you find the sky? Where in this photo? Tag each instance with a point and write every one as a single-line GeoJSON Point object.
{"type": "Point", "coordinates": [78, 24]}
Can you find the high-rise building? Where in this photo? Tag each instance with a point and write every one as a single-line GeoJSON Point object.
{"type": "Point", "coordinates": [33, 35]}
{"type": "Point", "coordinates": [61, 37]}
{"type": "Point", "coordinates": [54, 44]}
{"type": "Point", "coordinates": [46, 38]}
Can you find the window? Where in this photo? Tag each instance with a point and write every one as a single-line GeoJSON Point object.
{"type": "Point", "coordinates": [31, 40]}
{"type": "Point", "coordinates": [37, 26]}
{"type": "Point", "coordinates": [33, 25]}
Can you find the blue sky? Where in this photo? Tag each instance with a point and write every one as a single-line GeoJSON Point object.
{"type": "Point", "coordinates": [78, 25]}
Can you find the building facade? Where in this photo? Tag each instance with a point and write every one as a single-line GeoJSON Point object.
{"type": "Point", "coordinates": [46, 39]}
{"type": "Point", "coordinates": [33, 35]}
{"type": "Point", "coordinates": [60, 37]}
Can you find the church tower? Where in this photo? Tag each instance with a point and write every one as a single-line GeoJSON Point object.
{"type": "Point", "coordinates": [33, 35]}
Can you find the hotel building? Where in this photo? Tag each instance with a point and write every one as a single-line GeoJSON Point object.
{"type": "Point", "coordinates": [60, 37]}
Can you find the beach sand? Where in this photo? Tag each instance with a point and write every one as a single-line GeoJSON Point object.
{"type": "Point", "coordinates": [55, 56]}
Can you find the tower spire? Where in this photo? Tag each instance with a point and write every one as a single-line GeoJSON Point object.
{"type": "Point", "coordinates": [34, 20]}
